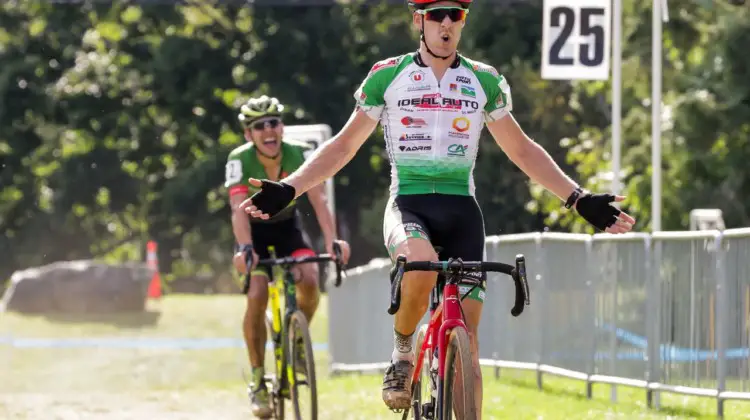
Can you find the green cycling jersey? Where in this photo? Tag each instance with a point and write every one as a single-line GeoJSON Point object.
{"type": "Point", "coordinates": [432, 127]}
{"type": "Point", "coordinates": [243, 164]}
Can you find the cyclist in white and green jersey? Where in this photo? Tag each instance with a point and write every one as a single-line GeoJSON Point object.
{"type": "Point", "coordinates": [433, 104]}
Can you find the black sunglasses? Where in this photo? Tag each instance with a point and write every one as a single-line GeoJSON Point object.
{"type": "Point", "coordinates": [438, 14]}
{"type": "Point", "coordinates": [261, 125]}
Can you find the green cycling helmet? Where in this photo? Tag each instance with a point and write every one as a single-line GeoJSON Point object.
{"type": "Point", "coordinates": [257, 108]}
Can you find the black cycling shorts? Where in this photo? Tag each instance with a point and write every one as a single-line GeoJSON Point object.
{"type": "Point", "coordinates": [454, 223]}
{"type": "Point", "coordinates": [285, 236]}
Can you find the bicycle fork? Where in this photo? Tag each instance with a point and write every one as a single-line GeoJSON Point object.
{"type": "Point", "coordinates": [290, 295]}
{"type": "Point", "coordinates": [452, 318]}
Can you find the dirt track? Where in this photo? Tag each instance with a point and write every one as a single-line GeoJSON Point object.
{"type": "Point", "coordinates": [157, 405]}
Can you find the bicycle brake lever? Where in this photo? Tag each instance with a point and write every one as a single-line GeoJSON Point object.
{"type": "Point", "coordinates": [397, 273]}
{"type": "Point", "coordinates": [339, 265]}
{"type": "Point", "coordinates": [522, 286]}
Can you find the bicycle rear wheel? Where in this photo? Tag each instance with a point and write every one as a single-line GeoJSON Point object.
{"type": "Point", "coordinates": [458, 354]}
{"type": "Point", "coordinates": [300, 348]}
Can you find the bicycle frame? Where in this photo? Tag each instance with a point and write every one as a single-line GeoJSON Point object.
{"type": "Point", "coordinates": [444, 317]}
{"type": "Point", "coordinates": [283, 283]}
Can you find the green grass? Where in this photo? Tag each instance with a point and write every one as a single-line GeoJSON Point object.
{"type": "Point", "coordinates": [187, 384]}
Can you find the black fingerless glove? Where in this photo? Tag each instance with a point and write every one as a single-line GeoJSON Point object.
{"type": "Point", "coordinates": [597, 210]}
{"type": "Point", "coordinates": [273, 197]}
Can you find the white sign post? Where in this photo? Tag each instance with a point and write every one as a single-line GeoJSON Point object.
{"type": "Point", "coordinates": [315, 134]}
{"type": "Point", "coordinates": [576, 46]}
{"type": "Point", "coordinates": [576, 38]}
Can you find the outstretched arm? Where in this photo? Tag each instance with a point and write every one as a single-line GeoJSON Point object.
{"type": "Point", "coordinates": [334, 154]}
{"type": "Point", "coordinates": [540, 167]}
{"type": "Point", "coordinates": [530, 157]}
{"type": "Point", "coordinates": [337, 151]}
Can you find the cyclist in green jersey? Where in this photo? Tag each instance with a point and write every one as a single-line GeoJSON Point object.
{"type": "Point", "coordinates": [266, 155]}
{"type": "Point", "coordinates": [433, 104]}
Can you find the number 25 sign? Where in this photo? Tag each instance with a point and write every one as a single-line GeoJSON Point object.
{"type": "Point", "coordinates": [575, 39]}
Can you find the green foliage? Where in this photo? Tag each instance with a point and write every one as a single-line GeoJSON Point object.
{"type": "Point", "coordinates": [702, 111]}
{"type": "Point", "coordinates": [116, 120]}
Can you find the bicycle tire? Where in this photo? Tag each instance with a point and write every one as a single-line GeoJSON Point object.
{"type": "Point", "coordinates": [277, 400]}
{"type": "Point", "coordinates": [459, 348]}
{"type": "Point", "coordinates": [298, 324]}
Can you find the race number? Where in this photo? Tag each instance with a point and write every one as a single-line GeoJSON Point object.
{"type": "Point", "coordinates": [233, 172]}
{"type": "Point", "coordinates": [576, 39]}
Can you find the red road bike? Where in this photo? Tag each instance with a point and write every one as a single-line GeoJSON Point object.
{"type": "Point", "coordinates": [446, 332]}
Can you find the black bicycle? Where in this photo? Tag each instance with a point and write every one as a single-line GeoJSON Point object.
{"type": "Point", "coordinates": [290, 334]}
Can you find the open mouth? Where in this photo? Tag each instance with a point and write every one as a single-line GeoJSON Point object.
{"type": "Point", "coordinates": [445, 37]}
{"type": "Point", "coordinates": [270, 142]}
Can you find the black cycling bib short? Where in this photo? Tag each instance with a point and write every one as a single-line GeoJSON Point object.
{"type": "Point", "coordinates": [452, 222]}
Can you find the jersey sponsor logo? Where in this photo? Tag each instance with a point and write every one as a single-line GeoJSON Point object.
{"type": "Point", "coordinates": [416, 76]}
{"type": "Point", "coordinates": [413, 122]}
{"type": "Point", "coordinates": [486, 69]}
{"type": "Point", "coordinates": [415, 137]}
{"type": "Point", "coordinates": [418, 88]}
{"type": "Point", "coordinates": [415, 148]}
{"type": "Point", "coordinates": [465, 90]}
{"type": "Point", "coordinates": [412, 227]}
{"type": "Point", "coordinates": [461, 124]}
{"type": "Point", "coordinates": [463, 79]}
{"type": "Point", "coordinates": [383, 64]}
{"type": "Point", "coordinates": [503, 98]}
{"type": "Point", "coordinates": [458, 150]}
{"type": "Point", "coordinates": [436, 101]}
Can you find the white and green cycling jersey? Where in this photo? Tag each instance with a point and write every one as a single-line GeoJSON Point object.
{"type": "Point", "coordinates": [432, 127]}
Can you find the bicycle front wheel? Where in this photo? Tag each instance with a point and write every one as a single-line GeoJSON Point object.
{"type": "Point", "coordinates": [276, 382]}
{"type": "Point", "coordinates": [421, 388]}
{"type": "Point", "coordinates": [458, 388]}
{"type": "Point", "coordinates": [302, 368]}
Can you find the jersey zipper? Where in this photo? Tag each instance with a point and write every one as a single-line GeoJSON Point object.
{"type": "Point", "coordinates": [436, 129]}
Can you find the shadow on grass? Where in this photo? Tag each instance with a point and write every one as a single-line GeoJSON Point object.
{"type": "Point", "coordinates": [581, 396]}
{"type": "Point", "coordinates": [120, 320]}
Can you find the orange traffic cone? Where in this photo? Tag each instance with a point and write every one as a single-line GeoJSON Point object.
{"type": "Point", "coordinates": [154, 288]}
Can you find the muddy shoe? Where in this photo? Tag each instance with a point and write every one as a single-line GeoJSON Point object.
{"type": "Point", "coordinates": [397, 385]}
{"type": "Point", "coordinates": [259, 402]}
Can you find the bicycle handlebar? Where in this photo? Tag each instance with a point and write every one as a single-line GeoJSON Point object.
{"type": "Point", "coordinates": [287, 261]}
{"type": "Point", "coordinates": [456, 266]}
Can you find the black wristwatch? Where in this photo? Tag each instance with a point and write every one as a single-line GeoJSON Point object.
{"type": "Point", "coordinates": [573, 197]}
{"type": "Point", "coordinates": [245, 248]}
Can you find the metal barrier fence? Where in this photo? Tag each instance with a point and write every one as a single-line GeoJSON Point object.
{"type": "Point", "coordinates": [666, 312]}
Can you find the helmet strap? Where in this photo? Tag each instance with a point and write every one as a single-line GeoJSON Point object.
{"type": "Point", "coordinates": [424, 40]}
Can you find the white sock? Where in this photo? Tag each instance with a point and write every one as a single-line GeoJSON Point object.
{"type": "Point", "coordinates": [401, 347]}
